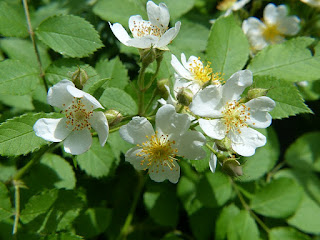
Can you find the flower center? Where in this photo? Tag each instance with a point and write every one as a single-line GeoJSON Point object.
{"type": "Point", "coordinates": [271, 33]}
{"type": "Point", "coordinates": [225, 4]}
{"type": "Point", "coordinates": [159, 151]}
{"type": "Point", "coordinates": [78, 116]}
{"type": "Point", "coordinates": [235, 115]}
{"type": "Point", "coordinates": [141, 29]}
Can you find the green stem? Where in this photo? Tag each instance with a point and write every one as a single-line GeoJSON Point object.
{"type": "Point", "coordinates": [159, 60]}
{"type": "Point", "coordinates": [17, 185]}
{"type": "Point", "coordinates": [127, 224]}
{"type": "Point", "coordinates": [31, 33]}
{"type": "Point", "coordinates": [246, 207]}
{"type": "Point", "coordinates": [141, 89]}
{"type": "Point", "coordinates": [154, 94]}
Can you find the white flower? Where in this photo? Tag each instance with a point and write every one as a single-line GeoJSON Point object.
{"type": "Point", "coordinates": [192, 74]}
{"type": "Point", "coordinates": [227, 117]}
{"type": "Point", "coordinates": [146, 34]}
{"type": "Point", "coordinates": [313, 3]}
{"type": "Point", "coordinates": [157, 150]}
{"type": "Point", "coordinates": [80, 117]}
{"type": "Point", "coordinates": [276, 24]}
{"type": "Point", "coordinates": [231, 5]}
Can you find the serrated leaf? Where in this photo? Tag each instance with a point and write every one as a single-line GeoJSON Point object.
{"type": "Point", "coordinates": [17, 78]}
{"type": "Point", "coordinates": [288, 99]}
{"type": "Point", "coordinates": [5, 204]}
{"type": "Point", "coordinates": [117, 99]}
{"type": "Point", "coordinates": [71, 36]}
{"type": "Point", "coordinates": [17, 136]}
{"type": "Point", "coordinates": [12, 20]}
{"type": "Point", "coordinates": [162, 204]}
{"type": "Point", "coordinates": [263, 160]}
{"type": "Point", "coordinates": [228, 47]}
{"type": "Point", "coordinates": [278, 199]}
{"type": "Point", "coordinates": [97, 161]}
{"type": "Point", "coordinates": [304, 153]}
{"type": "Point", "coordinates": [287, 233]}
{"type": "Point", "coordinates": [214, 190]}
{"type": "Point", "coordinates": [242, 227]}
{"type": "Point", "coordinates": [22, 50]}
{"type": "Point", "coordinates": [118, 11]}
{"type": "Point", "coordinates": [225, 218]}
{"type": "Point", "coordinates": [291, 61]}
{"type": "Point", "coordinates": [115, 71]}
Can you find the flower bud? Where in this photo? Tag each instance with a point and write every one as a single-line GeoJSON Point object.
{"type": "Point", "coordinates": [185, 96]}
{"type": "Point", "coordinates": [147, 56]}
{"type": "Point", "coordinates": [161, 84]}
{"type": "Point", "coordinates": [224, 145]}
{"type": "Point", "coordinates": [113, 117]}
{"type": "Point", "coordinates": [232, 167]}
{"type": "Point", "coordinates": [257, 92]}
{"type": "Point", "coordinates": [79, 78]}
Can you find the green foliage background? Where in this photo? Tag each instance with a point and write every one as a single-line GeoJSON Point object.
{"type": "Point", "coordinates": [97, 195]}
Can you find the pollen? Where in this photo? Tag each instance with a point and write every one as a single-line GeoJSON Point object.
{"type": "Point", "coordinates": [225, 4]}
{"type": "Point", "coordinates": [235, 116]}
{"type": "Point", "coordinates": [158, 152]}
{"type": "Point", "coordinates": [78, 115]}
{"type": "Point", "coordinates": [271, 33]}
{"type": "Point", "coordinates": [141, 29]}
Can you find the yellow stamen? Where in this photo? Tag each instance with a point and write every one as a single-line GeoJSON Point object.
{"type": "Point", "coordinates": [271, 33]}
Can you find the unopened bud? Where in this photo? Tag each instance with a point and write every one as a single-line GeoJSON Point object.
{"type": "Point", "coordinates": [257, 92]}
{"type": "Point", "coordinates": [185, 96]}
{"type": "Point", "coordinates": [113, 117]}
{"type": "Point", "coordinates": [224, 145]}
{"type": "Point", "coordinates": [162, 87]}
{"type": "Point", "coordinates": [232, 167]}
{"type": "Point", "coordinates": [79, 78]}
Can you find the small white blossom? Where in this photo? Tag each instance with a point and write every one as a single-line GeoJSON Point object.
{"type": "Point", "coordinates": [157, 150]}
{"type": "Point", "coordinates": [273, 29]}
{"type": "Point", "coordinates": [80, 117]}
{"type": "Point", "coordinates": [224, 116]}
{"type": "Point", "coordinates": [313, 3]}
{"type": "Point", "coordinates": [231, 5]}
{"type": "Point", "coordinates": [146, 34]}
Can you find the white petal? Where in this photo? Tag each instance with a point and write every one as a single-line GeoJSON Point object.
{"type": "Point", "coordinates": [143, 42]}
{"type": "Point", "coordinates": [53, 130]}
{"type": "Point", "coordinates": [135, 24]}
{"type": "Point", "coordinates": [247, 141]}
{"type": "Point", "coordinates": [58, 96]}
{"type": "Point", "coordinates": [168, 36]}
{"type": "Point", "coordinates": [120, 33]}
{"type": "Point", "coordinates": [177, 66]}
{"type": "Point", "coordinates": [259, 108]}
{"type": "Point", "coordinates": [289, 25]}
{"type": "Point", "coordinates": [171, 123]}
{"type": "Point", "coordinates": [136, 130]}
{"type": "Point", "coordinates": [213, 128]}
{"type": "Point", "coordinates": [213, 162]}
{"type": "Point", "coordinates": [272, 13]}
{"type": "Point", "coordinates": [158, 15]}
{"type": "Point", "coordinates": [132, 156]}
{"type": "Point", "coordinates": [236, 84]}
{"type": "Point", "coordinates": [239, 4]}
{"type": "Point", "coordinates": [190, 144]}
{"type": "Point", "coordinates": [99, 123]}
{"type": "Point", "coordinates": [159, 173]}
{"type": "Point", "coordinates": [207, 102]}
{"type": "Point", "coordinates": [78, 142]}
{"type": "Point", "coordinates": [252, 25]}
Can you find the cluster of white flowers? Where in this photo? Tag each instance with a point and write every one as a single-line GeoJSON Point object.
{"type": "Point", "coordinates": [215, 105]}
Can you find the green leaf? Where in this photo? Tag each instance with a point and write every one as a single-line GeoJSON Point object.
{"type": "Point", "coordinates": [228, 47]}
{"type": "Point", "coordinates": [214, 189]}
{"type": "Point", "coordinates": [98, 161]}
{"type": "Point", "coordinates": [278, 199]}
{"type": "Point", "coordinates": [263, 160]}
{"type": "Point", "coordinates": [63, 236]}
{"type": "Point", "coordinates": [178, 7]}
{"type": "Point", "coordinates": [162, 203]}
{"type": "Point", "coordinates": [12, 20]}
{"type": "Point", "coordinates": [38, 204]}
{"type": "Point", "coordinates": [22, 50]}
{"type": "Point", "coordinates": [287, 233]}
{"type": "Point", "coordinates": [242, 227]}
{"type": "Point", "coordinates": [290, 61]}
{"type": "Point", "coordinates": [201, 223]}
{"type": "Point", "coordinates": [115, 70]}
{"type": "Point", "coordinates": [117, 144]}
{"type": "Point", "coordinates": [52, 172]}
{"type": "Point", "coordinates": [117, 99]}
{"type": "Point", "coordinates": [304, 153]}
{"type": "Point", "coordinates": [71, 36]}
{"type": "Point", "coordinates": [5, 204]}
{"type": "Point", "coordinates": [288, 99]}
{"type": "Point", "coordinates": [93, 222]}
{"type": "Point", "coordinates": [17, 78]}
{"type": "Point", "coordinates": [224, 220]}
{"type": "Point", "coordinates": [23, 102]}
{"type": "Point", "coordinates": [118, 11]}
{"type": "Point", "coordinates": [17, 136]}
